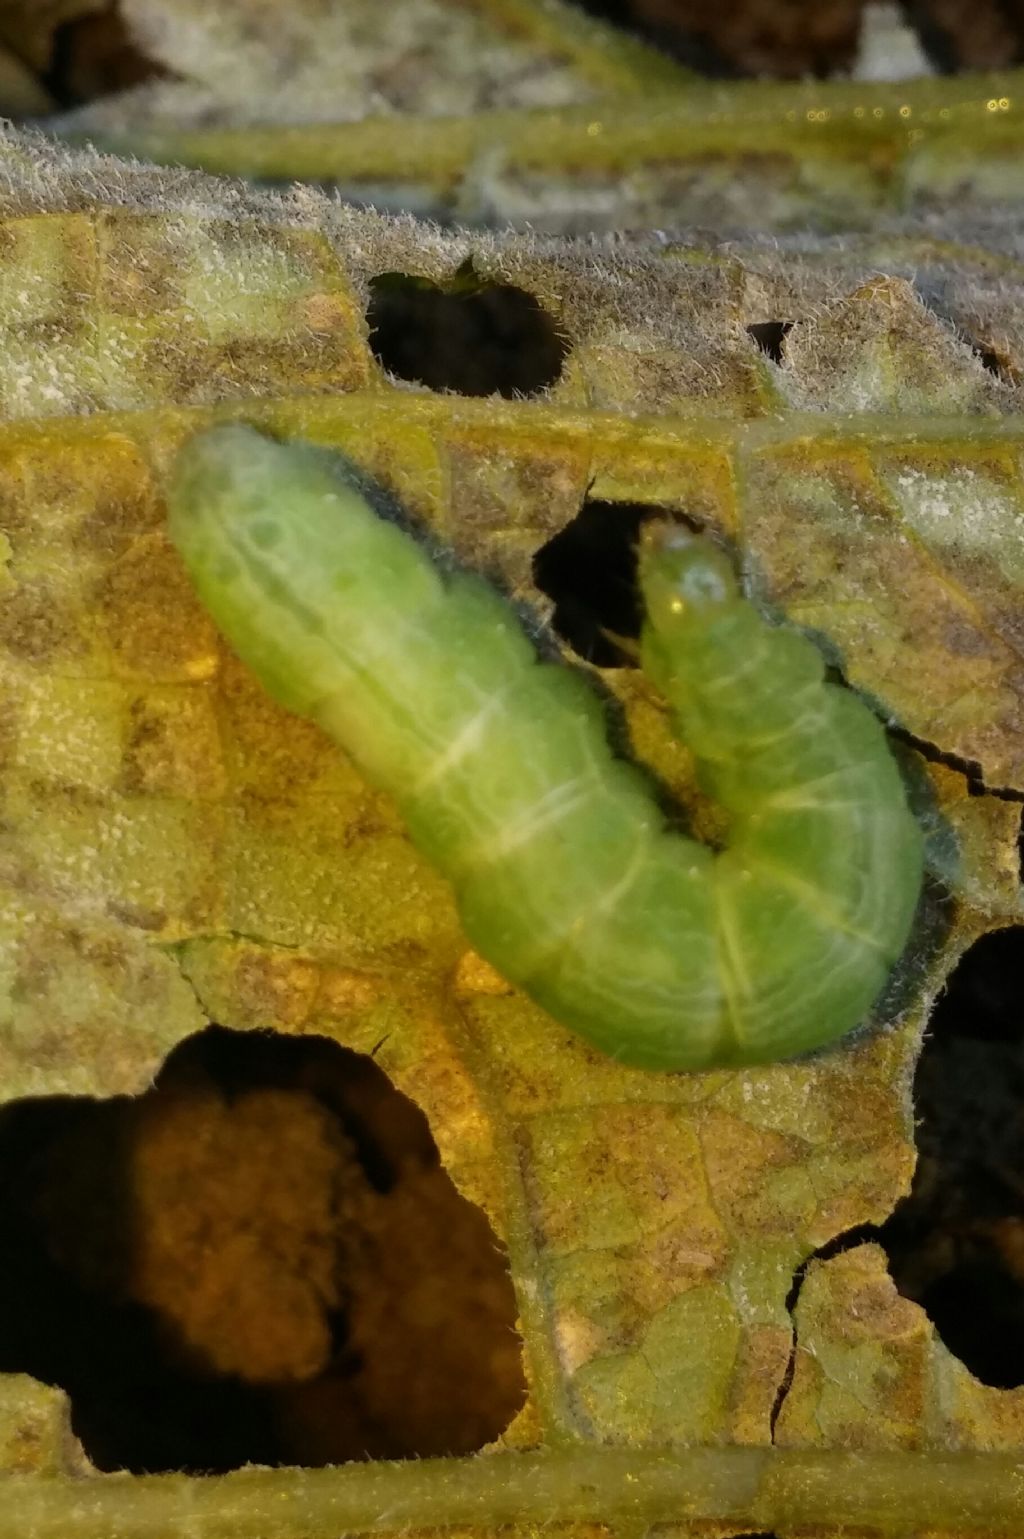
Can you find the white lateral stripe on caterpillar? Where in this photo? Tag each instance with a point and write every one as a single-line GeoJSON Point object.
{"type": "Point", "coordinates": [501, 765]}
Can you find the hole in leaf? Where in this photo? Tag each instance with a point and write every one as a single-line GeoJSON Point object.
{"type": "Point", "coordinates": [936, 40]}
{"type": "Point", "coordinates": [956, 1244]}
{"type": "Point", "coordinates": [770, 337]}
{"type": "Point", "coordinates": [998, 362]}
{"type": "Point", "coordinates": [94, 55]}
{"type": "Point", "coordinates": [958, 38]}
{"type": "Point", "coordinates": [260, 1260]}
{"type": "Point", "coordinates": [473, 337]}
{"type": "Point", "coordinates": [590, 570]}
{"type": "Point", "coordinates": [759, 38]}
{"type": "Point", "coordinates": [668, 27]}
{"type": "Point", "coordinates": [996, 358]}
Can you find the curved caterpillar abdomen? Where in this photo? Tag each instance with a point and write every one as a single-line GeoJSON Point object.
{"type": "Point", "coordinates": [654, 947]}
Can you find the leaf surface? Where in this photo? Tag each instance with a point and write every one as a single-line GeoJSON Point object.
{"type": "Point", "coordinates": [175, 849]}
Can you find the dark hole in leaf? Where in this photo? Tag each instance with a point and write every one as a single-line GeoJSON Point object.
{"type": "Point", "coordinates": [956, 1244]}
{"type": "Point", "coordinates": [770, 337]}
{"type": "Point", "coordinates": [260, 1260]}
{"type": "Point", "coordinates": [957, 37]}
{"type": "Point", "coordinates": [751, 37]}
{"type": "Point", "coordinates": [997, 362]}
{"type": "Point", "coordinates": [473, 337]}
{"type": "Point", "coordinates": [666, 26]}
{"type": "Point", "coordinates": [995, 357]}
{"type": "Point", "coordinates": [95, 55]}
{"type": "Point", "coordinates": [590, 570]}
{"type": "Point", "coordinates": [938, 43]}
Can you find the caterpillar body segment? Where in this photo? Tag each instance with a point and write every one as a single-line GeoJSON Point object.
{"type": "Point", "coordinates": [656, 949]}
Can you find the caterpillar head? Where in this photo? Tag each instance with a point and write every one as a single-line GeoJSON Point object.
{"type": "Point", "coordinates": [683, 577]}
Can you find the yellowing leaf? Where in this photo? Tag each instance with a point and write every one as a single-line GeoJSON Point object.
{"type": "Point", "coordinates": [175, 849]}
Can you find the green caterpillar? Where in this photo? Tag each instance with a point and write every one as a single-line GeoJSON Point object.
{"type": "Point", "coordinates": [657, 949]}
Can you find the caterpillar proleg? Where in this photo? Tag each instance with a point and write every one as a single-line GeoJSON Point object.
{"type": "Point", "coordinates": [660, 951]}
